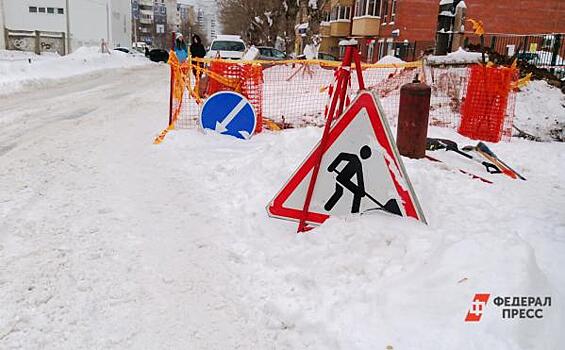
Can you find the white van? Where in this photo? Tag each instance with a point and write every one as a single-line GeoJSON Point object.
{"type": "Point", "coordinates": [227, 47]}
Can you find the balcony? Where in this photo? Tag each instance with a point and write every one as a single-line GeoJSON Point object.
{"type": "Point", "coordinates": [366, 26]}
{"type": "Point", "coordinates": [339, 28]}
{"type": "Point", "coordinates": [325, 30]}
{"type": "Point", "coordinates": [341, 3]}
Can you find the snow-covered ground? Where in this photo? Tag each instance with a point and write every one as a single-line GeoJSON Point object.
{"type": "Point", "coordinates": [19, 70]}
{"type": "Point", "coordinates": [110, 242]}
{"type": "Point", "coordinates": [540, 107]}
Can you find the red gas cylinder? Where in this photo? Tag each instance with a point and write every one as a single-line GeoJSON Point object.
{"type": "Point", "coordinates": [413, 115]}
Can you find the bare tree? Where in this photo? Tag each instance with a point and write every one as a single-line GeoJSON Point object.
{"type": "Point", "coordinates": [260, 22]}
{"type": "Point", "coordinates": [312, 12]}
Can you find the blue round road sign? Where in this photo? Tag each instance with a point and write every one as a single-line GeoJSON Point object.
{"type": "Point", "coordinates": [228, 113]}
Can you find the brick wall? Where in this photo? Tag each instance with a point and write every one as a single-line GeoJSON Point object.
{"type": "Point", "coordinates": [417, 19]}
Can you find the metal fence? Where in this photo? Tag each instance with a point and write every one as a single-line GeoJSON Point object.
{"type": "Point", "coordinates": [542, 50]}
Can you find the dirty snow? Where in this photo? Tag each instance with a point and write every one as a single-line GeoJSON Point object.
{"type": "Point", "coordinates": [540, 108]}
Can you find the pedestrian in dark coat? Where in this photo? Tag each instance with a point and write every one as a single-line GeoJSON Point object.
{"type": "Point", "coordinates": [197, 50]}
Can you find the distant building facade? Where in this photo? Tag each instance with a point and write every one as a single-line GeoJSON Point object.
{"type": "Point", "coordinates": [407, 28]}
{"type": "Point", "coordinates": [83, 23]}
{"type": "Point", "coordinates": [206, 17]}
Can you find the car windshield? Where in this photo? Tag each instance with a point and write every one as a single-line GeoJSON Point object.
{"type": "Point", "coordinates": [228, 46]}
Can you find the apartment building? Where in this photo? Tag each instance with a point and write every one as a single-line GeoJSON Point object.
{"type": "Point", "coordinates": [408, 28]}
{"type": "Point", "coordinates": [381, 27]}
{"type": "Point", "coordinates": [143, 21]}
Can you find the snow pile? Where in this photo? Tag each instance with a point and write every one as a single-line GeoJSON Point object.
{"type": "Point", "coordinates": [540, 108]}
{"type": "Point", "coordinates": [16, 74]}
{"type": "Point", "coordinates": [91, 257]}
{"type": "Point", "coordinates": [15, 55]}
{"type": "Point", "coordinates": [389, 59]}
{"type": "Point", "coordinates": [458, 57]}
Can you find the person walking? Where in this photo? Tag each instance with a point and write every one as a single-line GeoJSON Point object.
{"type": "Point", "coordinates": [197, 50]}
{"type": "Point", "coordinates": [180, 48]}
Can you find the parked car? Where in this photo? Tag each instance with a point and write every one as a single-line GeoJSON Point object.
{"type": "Point", "coordinates": [227, 47]}
{"type": "Point", "coordinates": [321, 56]}
{"type": "Point", "coordinates": [327, 57]}
{"type": "Point", "coordinates": [140, 46]}
{"type": "Point", "coordinates": [159, 55]}
{"type": "Point", "coordinates": [128, 51]}
{"type": "Point", "coordinates": [530, 57]}
{"type": "Point", "coordinates": [270, 54]}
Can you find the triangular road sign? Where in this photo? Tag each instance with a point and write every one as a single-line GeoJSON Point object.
{"type": "Point", "coordinates": [361, 171]}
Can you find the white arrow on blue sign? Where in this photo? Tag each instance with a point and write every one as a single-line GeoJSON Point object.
{"type": "Point", "coordinates": [228, 113]}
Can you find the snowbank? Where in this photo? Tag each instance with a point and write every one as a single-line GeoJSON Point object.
{"type": "Point", "coordinates": [458, 57]}
{"type": "Point", "coordinates": [92, 257]}
{"type": "Point", "coordinates": [389, 59]}
{"type": "Point", "coordinates": [16, 72]}
{"type": "Point", "coordinates": [540, 108]}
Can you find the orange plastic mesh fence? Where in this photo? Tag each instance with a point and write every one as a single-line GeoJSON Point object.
{"type": "Point", "coordinates": [448, 89]}
{"type": "Point", "coordinates": [291, 94]}
{"type": "Point", "coordinates": [488, 109]}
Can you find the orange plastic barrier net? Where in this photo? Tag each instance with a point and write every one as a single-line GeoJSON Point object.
{"type": "Point", "coordinates": [478, 101]}
{"type": "Point", "coordinates": [287, 94]}
{"type": "Point", "coordinates": [486, 113]}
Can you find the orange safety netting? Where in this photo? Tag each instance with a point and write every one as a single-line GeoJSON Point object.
{"type": "Point", "coordinates": [287, 94]}
{"type": "Point", "coordinates": [486, 113]}
{"type": "Point", "coordinates": [291, 94]}
{"type": "Point", "coordinates": [247, 79]}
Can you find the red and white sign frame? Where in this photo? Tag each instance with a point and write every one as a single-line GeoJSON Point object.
{"type": "Point", "coordinates": [368, 101]}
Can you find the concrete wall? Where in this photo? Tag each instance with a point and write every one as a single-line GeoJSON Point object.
{"type": "Point", "coordinates": [93, 21]}
{"type": "Point", "coordinates": [121, 22]}
{"type": "Point", "coordinates": [17, 15]}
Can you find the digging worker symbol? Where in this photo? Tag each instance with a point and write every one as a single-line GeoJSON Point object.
{"type": "Point", "coordinates": [354, 168]}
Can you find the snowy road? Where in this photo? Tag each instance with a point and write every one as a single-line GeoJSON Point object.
{"type": "Point", "coordinates": [83, 258]}
{"type": "Point", "coordinates": [110, 242]}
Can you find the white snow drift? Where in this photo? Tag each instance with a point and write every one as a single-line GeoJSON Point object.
{"type": "Point", "coordinates": [17, 72]}
{"type": "Point", "coordinates": [110, 242]}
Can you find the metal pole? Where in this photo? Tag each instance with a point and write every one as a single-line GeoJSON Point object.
{"type": "Point", "coordinates": [3, 41]}
{"type": "Point", "coordinates": [108, 22]}
{"type": "Point", "coordinates": [68, 27]}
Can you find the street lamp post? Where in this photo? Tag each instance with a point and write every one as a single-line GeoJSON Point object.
{"type": "Point", "coordinates": [68, 27]}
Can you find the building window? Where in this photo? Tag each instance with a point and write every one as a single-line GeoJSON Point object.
{"type": "Point", "coordinates": [393, 10]}
{"type": "Point", "coordinates": [60, 11]}
{"type": "Point", "coordinates": [367, 8]}
{"type": "Point", "coordinates": [370, 52]}
{"type": "Point", "coordinates": [33, 9]}
{"type": "Point", "coordinates": [50, 10]}
{"type": "Point", "coordinates": [42, 10]}
{"type": "Point", "coordinates": [341, 13]}
{"type": "Point", "coordinates": [384, 10]}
